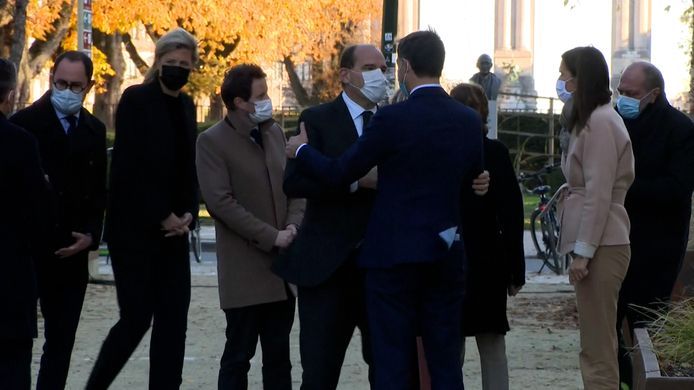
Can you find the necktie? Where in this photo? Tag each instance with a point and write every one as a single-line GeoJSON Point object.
{"type": "Point", "coordinates": [257, 138]}
{"type": "Point", "coordinates": [366, 117]}
{"type": "Point", "coordinates": [72, 120]}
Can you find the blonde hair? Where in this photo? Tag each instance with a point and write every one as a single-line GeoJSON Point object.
{"type": "Point", "coordinates": [175, 39]}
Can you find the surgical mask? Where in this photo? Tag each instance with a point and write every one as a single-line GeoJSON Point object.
{"type": "Point", "coordinates": [374, 87]}
{"type": "Point", "coordinates": [630, 107]}
{"type": "Point", "coordinates": [263, 111]}
{"type": "Point", "coordinates": [66, 101]}
{"type": "Point", "coordinates": [174, 77]}
{"type": "Point", "coordinates": [562, 93]}
{"type": "Point", "coordinates": [403, 87]}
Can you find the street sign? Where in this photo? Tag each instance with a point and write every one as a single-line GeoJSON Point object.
{"type": "Point", "coordinates": [84, 27]}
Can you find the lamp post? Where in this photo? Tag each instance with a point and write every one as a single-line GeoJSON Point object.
{"type": "Point", "coordinates": [388, 36]}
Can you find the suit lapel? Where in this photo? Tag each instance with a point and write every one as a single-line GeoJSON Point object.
{"type": "Point", "coordinates": [346, 132]}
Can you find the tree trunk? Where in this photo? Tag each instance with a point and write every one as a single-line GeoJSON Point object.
{"type": "Point", "coordinates": [19, 36]}
{"type": "Point", "coordinates": [141, 65]}
{"type": "Point", "coordinates": [300, 92]}
{"type": "Point", "coordinates": [41, 51]}
{"type": "Point", "coordinates": [216, 111]}
{"type": "Point", "coordinates": [105, 101]}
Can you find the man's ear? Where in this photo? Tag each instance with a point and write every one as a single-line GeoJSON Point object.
{"type": "Point", "coordinates": [655, 94]}
{"type": "Point", "coordinates": [344, 75]}
{"type": "Point", "coordinates": [90, 85]}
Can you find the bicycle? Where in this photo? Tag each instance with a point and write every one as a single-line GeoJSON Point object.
{"type": "Point", "coordinates": [196, 242]}
{"type": "Point", "coordinates": [544, 224]}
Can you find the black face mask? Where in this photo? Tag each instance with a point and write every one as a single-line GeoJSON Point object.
{"type": "Point", "coordinates": [174, 77]}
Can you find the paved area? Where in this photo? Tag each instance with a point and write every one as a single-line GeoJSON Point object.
{"type": "Point", "coordinates": [542, 346]}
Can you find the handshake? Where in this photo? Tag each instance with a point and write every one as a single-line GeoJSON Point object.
{"type": "Point", "coordinates": [286, 237]}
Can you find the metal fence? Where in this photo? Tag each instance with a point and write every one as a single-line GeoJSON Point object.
{"type": "Point", "coordinates": [529, 125]}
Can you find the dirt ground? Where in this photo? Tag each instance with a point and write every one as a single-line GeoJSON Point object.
{"type": "Point", "coordinates": [542, 346]}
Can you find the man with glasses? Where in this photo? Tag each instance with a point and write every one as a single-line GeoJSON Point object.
{"type": "Point", "coordinates": [72, 145]}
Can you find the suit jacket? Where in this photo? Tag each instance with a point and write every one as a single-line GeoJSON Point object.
{"type": "Point", "coordinates": [241, 184]}
{"type": "Point", "coordinates": [76, 167]}
{"type": "Point", "coordinates": [425, 148]}
{"type": "Point", "coordinates": [150, 176]}
{"type": "Point", "coordinates": [24, 192]}
{"type": "Point", "coordinates": [599, 168]}
{"type": "Point", "coordinates": [335, 220]}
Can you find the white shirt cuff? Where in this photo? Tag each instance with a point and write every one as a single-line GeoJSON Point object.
{"type": "Point", "coordinates": [585, 249]}
{"type": "Point", "coordinates": [354, 187]}
{"type": "Point", "coordinates": [299, 148]}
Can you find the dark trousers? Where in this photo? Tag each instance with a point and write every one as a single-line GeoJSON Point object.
{"type": "Point", "coordinates": [153, 287]}
{"type": "Point", "coordinates": [272, 323]}
{"type": "Point", "coordinates": [328, 315]}
{"type": "Point", "coordinates": [62, 284]}
{"type": "Point", "coordinates": [15, 364]}
{"type": "Point", "coordinates": [411, 299]}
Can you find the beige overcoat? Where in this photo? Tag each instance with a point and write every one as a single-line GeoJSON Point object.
{"type": "Point", "coordinates": [241, 183]}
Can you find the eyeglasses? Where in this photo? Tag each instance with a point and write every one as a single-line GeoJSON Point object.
{"type": "Point", "coordinates": [62, 85]}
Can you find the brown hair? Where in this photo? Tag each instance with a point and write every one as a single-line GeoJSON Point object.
{"type": "Point", "coordinates": [592, 84]}
{"type": "Point", "coordinates": [472, 95]}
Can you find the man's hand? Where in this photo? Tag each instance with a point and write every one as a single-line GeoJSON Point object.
{"type": "Point", "coordinates": [296, 141]}
{"type": "Point", "coordinates": [82, 242]}
{"type": "Point", "coordinates": [578, 269]}
{"type": "Point", "coordinates": [370, 180]}
{"type": "Point", "coordinates": [292, 227]}
{"type": "Point", "coordinates": [285, 238]}
{"type": "Point", "coordinates": [513, 290]}
{"type": "Point", "coordinates": [481, 184]}
{"type": "Point", "coordinates": [175, 226]}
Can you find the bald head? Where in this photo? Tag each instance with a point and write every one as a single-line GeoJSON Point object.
{"type": "Point", "coordinates": [641, 78]}
{"type": "Point", "coordinates": [484, 63]}
{"type": "Point", "coordinates": [353, 55]}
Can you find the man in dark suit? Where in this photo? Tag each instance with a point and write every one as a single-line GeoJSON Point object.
{"type": "Point", "coordinates": [20, 203]}
{"type": "Point", "coordinates": [322, 260]}
{"type": "Point", "coordinates": [426, 149]}
{"type": "Point", "coordinates": [72, 145]}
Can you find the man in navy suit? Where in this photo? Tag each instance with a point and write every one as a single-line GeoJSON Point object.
{"type": "Point", "coordinates": [427, 149]}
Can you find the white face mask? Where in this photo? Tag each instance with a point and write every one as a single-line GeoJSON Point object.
{"type": "Point", "coordinates": [66, 101]}
{"type": "Point", "coordinates": [263, 111]}
{"type": "Point", "coordinates": [562, 93]}
{"type": "Point", "coordinates": [375, 84]}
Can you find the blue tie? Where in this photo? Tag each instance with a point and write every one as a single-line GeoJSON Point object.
{"type": "Point", "coordinates": [72, 120]}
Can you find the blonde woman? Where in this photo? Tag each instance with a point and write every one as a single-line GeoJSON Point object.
{"type": "Point", "coordinates": [599, 169]}
{"type": "Point", "coordinates": [152, 204]}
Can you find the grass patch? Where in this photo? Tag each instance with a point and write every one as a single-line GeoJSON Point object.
{"type": "Point", "coordinates": [529, 204]}
{"type": "Point", "coordinates": [672, 332]}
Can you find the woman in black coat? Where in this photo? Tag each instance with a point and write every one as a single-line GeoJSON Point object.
{"type": "Point", "coordinates": [153, 202]}
{"type": "Point", "coordinates": [493, 237]}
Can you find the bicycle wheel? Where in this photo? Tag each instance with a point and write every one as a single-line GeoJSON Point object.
{"type": "Point", "coordinates": [196, 243]}
{"type": "Point", "coordinates": [550, 235]}
{"type": "Point", "coordinates": [536, 234]}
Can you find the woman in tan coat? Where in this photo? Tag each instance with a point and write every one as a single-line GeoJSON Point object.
{"type": "Point", "coordinates": [599, 168]}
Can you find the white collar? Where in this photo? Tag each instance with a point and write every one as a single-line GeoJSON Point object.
{"type": "Point", "coordinates": [425, 86]}
{"type": "Point", "coordinates": [355, 110]}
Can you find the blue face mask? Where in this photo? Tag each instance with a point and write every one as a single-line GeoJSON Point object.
{"type": "Point", "coordinates": [66, 101]}
{"type": "Point", "coordinates": [630, 107]}
{"type": "Point", "coordinates": [563, 94]}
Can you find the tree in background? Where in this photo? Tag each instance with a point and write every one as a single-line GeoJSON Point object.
{"type": "Point", "coordinates": [260, 31]}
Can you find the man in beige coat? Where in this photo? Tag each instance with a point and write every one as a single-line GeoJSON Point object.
{"type": "Point", "coordinates": [240, 164]}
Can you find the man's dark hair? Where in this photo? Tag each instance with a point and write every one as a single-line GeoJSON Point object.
{"type": "Point", "coordinates": [592, 80]}
{"type": "Point", "coordinates": [237, 83]}
{"type": "Point", "coordinates": [425, 52]}
{"type": "Point", "coordinates": [347, 59]}
{"type": "Point", "coordinates": [74, 56]}
{"type": "Point", "coordinates": [8, 78]}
